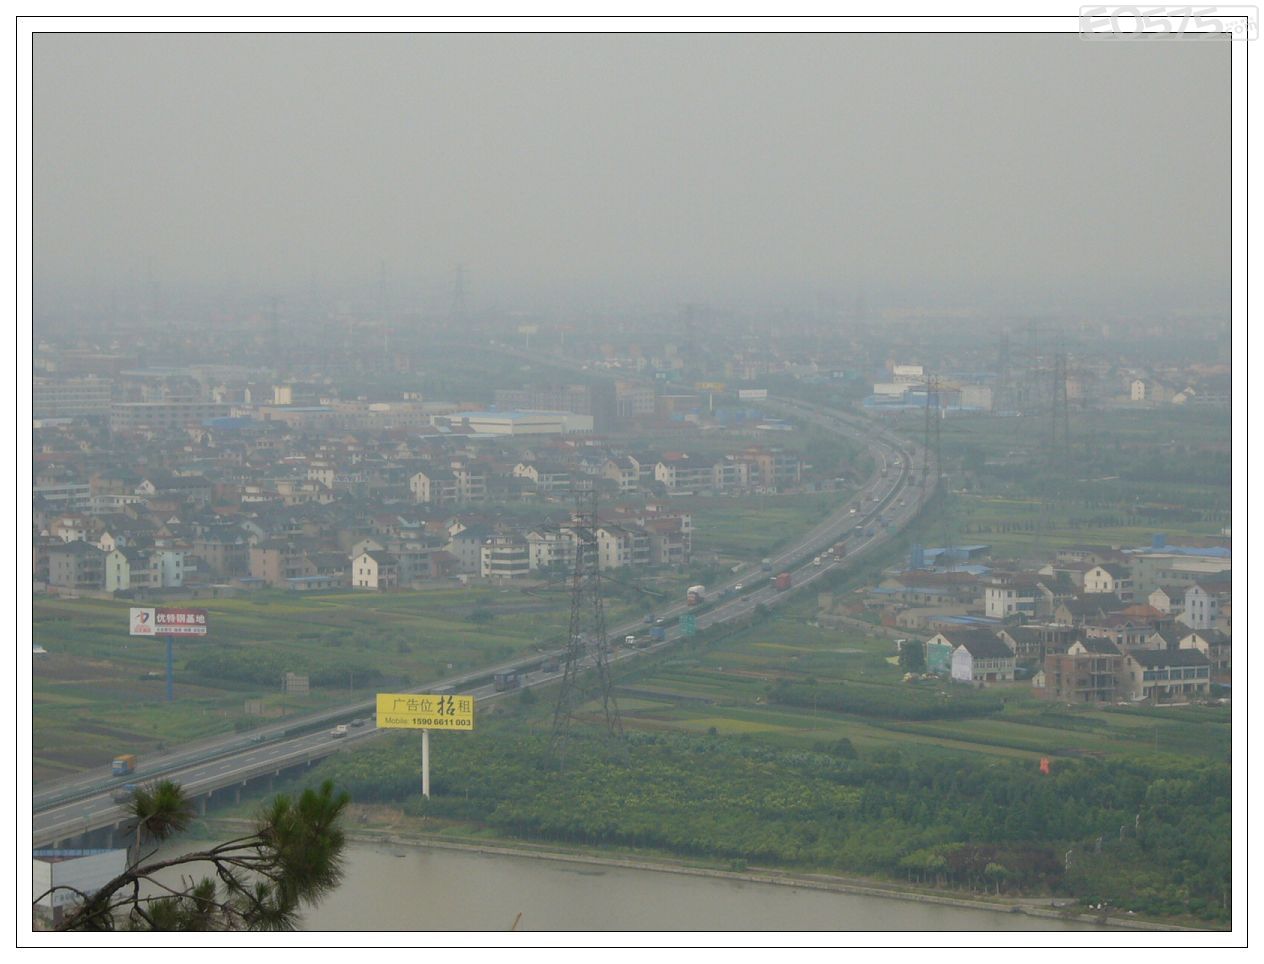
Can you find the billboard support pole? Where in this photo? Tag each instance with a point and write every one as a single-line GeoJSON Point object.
{"type": "Point", "coordinates": [171, 672]}
{"type": "Point", "coordinates": [425, 764]}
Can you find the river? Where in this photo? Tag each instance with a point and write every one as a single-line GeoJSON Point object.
{"type": "Point", "coordinates": [392, 887]}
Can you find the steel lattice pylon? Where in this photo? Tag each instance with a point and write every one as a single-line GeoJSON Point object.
{"type": "Point", "coordinates": [1057, 450]}
{"type": "Point", "coordinates": [932, 450]}
{"type": "Point", "coordinates": [587, 645]}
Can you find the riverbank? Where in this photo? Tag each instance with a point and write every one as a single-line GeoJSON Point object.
{"type": "Point", "coordinates": [1046, 908]}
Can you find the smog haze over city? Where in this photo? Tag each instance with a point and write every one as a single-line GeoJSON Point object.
{"type": "Point", "coordinates": [795, 457]}
{"type": "Point", "coordinates": [588, 170]}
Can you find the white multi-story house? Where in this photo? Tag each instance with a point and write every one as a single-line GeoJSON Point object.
{"type": "Point", "coordinates": [614, 547]}
{"type": "Point", "coordinates": [126, 569]}
{"type": "Point", "coordinates": [1109, 578]}
{"type": "Point", "coordinates": [373, 569]}
{"type": "Point", "coordinates": [623, 471]}
{"type": "Point", "coordinates": [551, 547]}
{"type": "Point", "coordinates": [545, 478]}
{"type": "Point", "coordinates": [728, 475]}
{"type": "Point", "coordinates": [433, 486]}
{"type": "Point", "coordinates": [981, 658]}
{"type": "Point", "coordinates": [1005, 597]}
{"type": "Point", "coordinates": [1204, 601]}
{"type": "Point", "coordinates": [685, 474]}
{"type": "Point", "coordinates": [471, 482]}
{"type": "Point", "coordinates": [466, 547]}
{"type": "Point", "coordinates": [168, 568]}
{"type": "Point", "coordinates": [505, 556]}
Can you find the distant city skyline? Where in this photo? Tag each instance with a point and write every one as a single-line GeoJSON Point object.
{"type": "Point", "coordinates": [635, 168]}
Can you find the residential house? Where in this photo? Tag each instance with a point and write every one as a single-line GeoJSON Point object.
{"type": "Point", "coordinates": [434, 486]}
{"type": "Point", "coordinates": [416, 555]}
{"type": "Point", "coordinates": [1109, 578]}
{"type": "Point", "coordinates": [1216, 646]}
{"type": "Point", "coordinates": [646, 465]}
{"type": "Point", "coordinates": [619, 546]}
{"type": "Point", "coordinates": [1168, 599]}
{"type": "Point", "coordinates": [1166, 676]}
{"type": "Point", "coordinates": [1126, 632]}
{"type": "Point", "coordinates": [224, 550]}
{"type": "Point", "coordinates": [728, 475]}
{"type": "Point", "coordinates": [76, 565]}
{"type": "Point", "coordinates": [466, 547]}
{"type": "Point", "coordinates": [505, 556]}
{"type": "Point", "coordinates": [685, 475]}
{"type": "Point", "coordinates": [1072, 573]}
{"type": "Point", "coordinates": [1088, 672]}
{"type": "Point", "coordinates": [773, 468]}
{"type": "Point", "coordinates": [1074, 612]}
{"type": "Point", "coordinates": [168, 567]}
{"type": "Point", "coordinates": [1167, 637]}
{"type": "Point", "coordinates": [545, 477]}
{"type": "Point", "coordinates": [1006, 595]}
{"type": "Point", "coordinates": [73, 528]}
{"type": "Point", "coordinates": [471, 481]}
{"type": "Point", "coordinates": [551, 547]}
{"type": "Point", "coordinates": [277, 560]}
{"type": "Point", "coordinates": [670, 541]}
{"type": "Point", "coordinates": [623, 471]}
{"type": "Point", "coordinates": [980, 658]}
{"type": "Point", "coordinates": [1204, 601]}
{"type": "Point", "coordinates": [375, 570]}
{"type": "Point", "coordinates": [1032, 642]}
{"type": "Point", "coordinates": [119, 566]}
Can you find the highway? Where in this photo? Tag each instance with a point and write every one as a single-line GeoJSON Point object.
{"type": "Point", "coordinates": [86, 802]}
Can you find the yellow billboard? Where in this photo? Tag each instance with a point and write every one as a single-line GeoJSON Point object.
{"type": "Point", "coordinates": [421, 711]}
{"type": "Point", "coordinates": [709, 386]}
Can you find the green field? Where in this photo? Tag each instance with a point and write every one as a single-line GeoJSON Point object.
{"type": "Point", "coordinates": [100, 692]}
{"type": "Point", "coordinates": [1126, 475]}
{"type": "Point", "coordinates": [724, 686]}
{"type": "Point", "coordinates": [748, 528]}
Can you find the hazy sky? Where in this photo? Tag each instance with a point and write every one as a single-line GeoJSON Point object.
{"type": "Point", "coordinates": [707, 166]}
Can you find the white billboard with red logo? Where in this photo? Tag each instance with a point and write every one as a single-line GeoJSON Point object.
{"type": "Point", "coordinates": [141, 622]}
{"type": "Point", "coordinates": [168, 621]}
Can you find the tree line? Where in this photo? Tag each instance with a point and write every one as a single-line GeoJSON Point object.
{"type": "Point", "coordinates": [905, 814]}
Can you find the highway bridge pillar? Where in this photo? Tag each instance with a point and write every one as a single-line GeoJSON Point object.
{"type": "Point", "coordinates": [202, 805]}
{"type": "Point", "coordinates": [237, 795]}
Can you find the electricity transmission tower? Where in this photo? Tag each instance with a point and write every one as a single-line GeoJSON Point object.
{"type": "Point", "coordinates": [587, 643]}
{"type": "Point", "coordinates": [932, 448]}
{"type": "Point", "coordinates": [1055, 466]}
{"type": "Point", "coordinates": [932, 391]}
